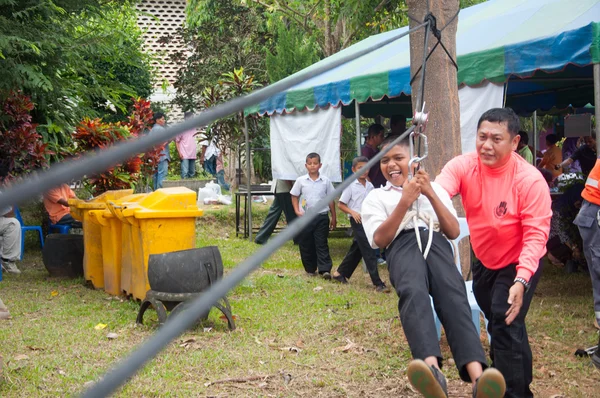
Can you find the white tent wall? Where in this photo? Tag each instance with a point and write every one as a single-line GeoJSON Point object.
{"type": "Point", "coordinates": [473, 102]}
{"type": "Point", "coordinates": [295, 135]}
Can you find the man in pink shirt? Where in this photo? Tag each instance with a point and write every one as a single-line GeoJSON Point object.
{"type": "Point", "coordinates": [187, 148]}
{"type": "Point", "coordinates": [507, 204]}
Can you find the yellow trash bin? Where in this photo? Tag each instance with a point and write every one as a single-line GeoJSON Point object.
{"type": "Point", "coordinates": [92, 238]}
{"type": "Point", "coordinates": [163, 221]}
{"type": "Point", "coordinates": [111, 232]}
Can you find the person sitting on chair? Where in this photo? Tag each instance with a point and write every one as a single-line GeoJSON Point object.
{"type": "Point", "coordinates": [57, 206]}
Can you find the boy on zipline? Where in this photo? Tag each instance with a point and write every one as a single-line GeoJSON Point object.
{"type": "Point", "coordinates": [388, 223]}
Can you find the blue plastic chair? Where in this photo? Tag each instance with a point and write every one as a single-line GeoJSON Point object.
{"type": "Point", "coordinates": [475, 310]}
{"type": "Point", "coordinates": [59, 228]}
{"type": "Point", "coordinates": [25, 228]}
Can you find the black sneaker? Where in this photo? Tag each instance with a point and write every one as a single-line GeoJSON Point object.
{"type": "Point", "coordinates": [326, 275]}
{"type": "Point", "coordinates": [382, 288]}
{"type": "Point", "coordinates": [490, 384]}
{"type": "Point", "coordinates": [427, 380]}
{"type": "Point", "coordinates": [312, 274]}
{"type": "Point", "coordinates": [340, 278]}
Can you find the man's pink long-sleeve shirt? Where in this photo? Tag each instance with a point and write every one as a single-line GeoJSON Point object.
{"type": "Point", "coordinates": [508, 210]}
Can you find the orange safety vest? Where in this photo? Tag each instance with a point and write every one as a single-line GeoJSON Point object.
{"type": "Point", "coordinates": [591, 192]}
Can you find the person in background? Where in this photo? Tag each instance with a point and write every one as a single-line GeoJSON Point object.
{"type": "Point", "coordinates": [282, 203]}
{"type": "Point", "coordinates": [350, 203]}
{"type": "Point", "coordinates": [523, 147]}
{"type": "Point", "coordinates": [10, 240]}
{"type": "Point", "coordinates": [313, 245]}
{"type": "Point", "coordinates": [56, 202]}
{"type": "Point", "coordinates": [397, 125]}
{"type": "Point", "coordinates": [209, 156]}
{"type": "Point", "coordinates": [588, 222]}
{"type": "Point", "coordinates": [187, 149]}
{"type": "Point", "coordinates": [221, 171]}
{"type": "Point", "coordinates": [375, 135]}
{"type": "Point", "coordinates": [585, 154]}
{"type": "Point", "coordinates": [165, 157]}
{"type": "Point", "coordinates": [552, 156]}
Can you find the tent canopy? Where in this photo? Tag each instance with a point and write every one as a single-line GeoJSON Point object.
{"type": "Point", "coordinates": [544, 49]}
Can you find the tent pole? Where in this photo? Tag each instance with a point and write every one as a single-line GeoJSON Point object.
{"type": "Point", "coordinates": [597, 102]}
{"type": "Point", "coordinates": [357, 115]}
{"type": "Point", "coordinates": [249, 186]}
{"type": "Point", "coordinates": [535, 139]}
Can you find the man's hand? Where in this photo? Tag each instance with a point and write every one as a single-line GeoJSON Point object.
{"type": "Point", "coordinates": [332, 223]}
{"type": "Point", "coordinates": [515, 299]}
{"type": "Point", "coordinates": [356, 216]}
{"type": "Point", "coordinates": [410, 192]}
{"type": "Point", "coordinates": [422, 178]}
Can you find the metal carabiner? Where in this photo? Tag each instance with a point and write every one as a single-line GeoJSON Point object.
{"type": "Point", "coordinates": [413, 158]}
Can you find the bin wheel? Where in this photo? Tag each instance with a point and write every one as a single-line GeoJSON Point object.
{"type": "Point", "coordinates": [158, 306]}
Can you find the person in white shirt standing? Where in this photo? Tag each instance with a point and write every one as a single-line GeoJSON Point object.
{"type": "Point", "coordinates": [350, 203]}
{"type": "Point", "coordinates": [314, 248]}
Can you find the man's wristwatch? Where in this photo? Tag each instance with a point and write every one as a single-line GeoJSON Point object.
{"type": "Point", "coordinates": [523, 282]}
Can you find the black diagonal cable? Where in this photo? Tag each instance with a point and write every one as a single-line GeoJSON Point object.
{"type": "Point", "coordinates": [177, 325]}
{"type": "Point", "coordinates": [95, 162]}
{"type": "Point", "coordinates": [419, 105]}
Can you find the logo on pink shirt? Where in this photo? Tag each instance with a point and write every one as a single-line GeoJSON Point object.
{"type": "Point", "coordinates": [501, 210]}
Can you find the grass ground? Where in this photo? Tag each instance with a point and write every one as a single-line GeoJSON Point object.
{"type": "Point", "coordinates": [295, 336]}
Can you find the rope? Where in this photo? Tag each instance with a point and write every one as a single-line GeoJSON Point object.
{"type": "Point", "coordinates": [414, 216]}
{"type": "Point", "coordinates": [431, 21]}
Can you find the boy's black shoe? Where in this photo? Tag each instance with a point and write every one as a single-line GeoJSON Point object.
{"type": "Point", "coordinates": [340, 278]}
{"type": "Point", "coordinates": [326, 275]}
{"type": "Point", "coordinates": [312, 274]}
{"type": "Point", "coordinates": [382, 288]}
{"type": "Point", "coordinates": [427, 380]}
{"type": "Point", "coordinates": [490, 384]}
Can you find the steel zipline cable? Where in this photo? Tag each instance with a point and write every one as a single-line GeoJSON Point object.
{"type": "Point", "coordinates": [100, 161]}
{"type": "Point", "coordinates": [92, 163]}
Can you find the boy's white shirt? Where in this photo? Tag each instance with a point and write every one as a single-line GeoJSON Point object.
{"type": "Point", "coordinates": [312, 190]}
{"type": "Point", "coordinates": [381, 202]}
{"type": "Point", "coordinates": [354, 195]}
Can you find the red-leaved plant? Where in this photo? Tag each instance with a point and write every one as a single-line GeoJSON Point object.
{"type": "Point", "coordinates": [21, 147]}
{"type": "Point", "coordinates": [94, 134]}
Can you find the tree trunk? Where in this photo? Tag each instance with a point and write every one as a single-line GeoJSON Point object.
{"type": "Point", "coordinates": [328, 41]}
{"type": "Point", "coordinates": [440, 94]}
{"type": "Point", "coordinates": [441, 88]}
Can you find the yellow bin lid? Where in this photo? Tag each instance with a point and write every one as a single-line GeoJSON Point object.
{"type": "Point", "coordinates": [166, 203]}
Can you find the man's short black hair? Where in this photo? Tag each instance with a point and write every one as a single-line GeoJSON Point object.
{"type": "Point", "coordinates": [157, 116]}
{"type": "Point", "coordinates": [313, 155]}
{"type": "Point", "coordinates": [403, 142]}
{"type": "Point", "coordinates": [375, 129]}
{"type": "Point", "coordinates": [551, 139]}
{"type": "Point", "coordinates": [524, 137]}
{"type": "Point", "coordinates": [502, 115]}
{"type": "Point", "coordinates": [359, 159]}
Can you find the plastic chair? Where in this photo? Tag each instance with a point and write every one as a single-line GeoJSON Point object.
{"type": "Point", "coordinates": [59, 228]}
{"type": "Point", "coordinates": [25, 228]}
{"type": "Point", "coordinates": [475, 310]}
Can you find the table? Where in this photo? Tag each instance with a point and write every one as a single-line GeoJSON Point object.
{"type": "Point", "coordinates": [262, 190]}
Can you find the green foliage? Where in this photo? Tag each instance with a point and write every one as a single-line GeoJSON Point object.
{"type": "Point", "coordinates": [222, 36]}
{"type": "Point", "coordinates": [293, 52]}
{"type": "Point", "coordinates": [73, 58]}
